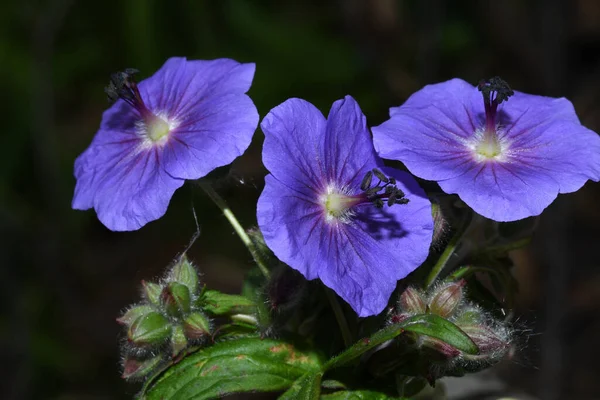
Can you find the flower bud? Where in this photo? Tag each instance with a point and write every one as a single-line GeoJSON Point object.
{"type": "Point", "coordinates": [134, 313]}
{"type": "Point", "coordinates": [440, 224]}
{"type": "Point", "coordinates": [137, 369]}
{"type": "Point", "coordinates": [487, 340]}
{"type": "Point", "coordinates": [196, 326]}
{"type": "Point", "coordinates": [175, 297]}
{"type": "Point", "coordinates": [440, 347]}
{"type": "Point", "coordinates": [446, 298]}
{"type": "Point", "coordinates": [411, 301]}
{"type": "Point", "coordinates": [185, 273]}
{"type": "Point", "coordinates": [149, 330]}
{"type": "Point", "coordinates": [178, 340]}
{"type": "Point", "coordinates": [469, 316]}
{"type": "Point", "coordinates": [151, 292]}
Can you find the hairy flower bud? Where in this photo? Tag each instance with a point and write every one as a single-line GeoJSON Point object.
{"type": "Point", "coordinates": [412, 301]}
{"type": "Point", "coordinates": [134, 313]}
{"type": "Point", "coordinates": [440, 347]}
{"type": "Point", "coordinates": [178, 340]}
{"type": "Point", "coordinates": [446, 298]}
{"type": "Point", "coordinates": [149, 330]}
{"type": "Point", "coordinates": [184, 273]}
{"type": "Point", "coordinates": [137, 369]}
{"type": "Point", "coordinates": [487, 340]}
{"type": "Point", "coordinates": [151, 292]}
{"type": "Point", "coordinates": [440, 224]}
{"type": "Point", "coordinates": [175, 298]}
{"type": "Point", "coordinates": [196, 326]}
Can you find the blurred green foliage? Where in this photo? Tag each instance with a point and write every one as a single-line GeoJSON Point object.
{"type": "Point", "coordinates": [65, 277]}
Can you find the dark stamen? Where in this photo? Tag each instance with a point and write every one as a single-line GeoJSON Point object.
{"type": "Point", "coordinates": [366, 182]}
{"type": "Point", "coordinates": [384, 190]}
{"type": "Point", "coordinates": [494, 91]}
{"type": "Point", "coordinates": [122, 85]}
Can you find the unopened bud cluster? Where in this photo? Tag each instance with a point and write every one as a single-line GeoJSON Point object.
{"type": "Point", "coordinates": [166, 322]}
{"type": "Point", "coordinates": [447, 300]}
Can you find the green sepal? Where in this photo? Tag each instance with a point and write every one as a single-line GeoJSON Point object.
{"type": "Point", "coordinates": [217, 303]}
{"type": "Point", "coordinates": [185, 273]}
{"type": "Point", "coordinates": [178, 340]}
{"type": "Point", "coordinates": [136, 369]}
{"type": "Point", "coordinates": [151, 292]}
{"type": "Point", "coordinates": [196, 326]}
{"type": "Point", "coordinates": [266, 365]}
{"type": "Point", "coordinates": [175, 298]}
{"type": "Point", "coordinates": [149, 330]}
{"type": "Point", "coordinates": [134, 313]}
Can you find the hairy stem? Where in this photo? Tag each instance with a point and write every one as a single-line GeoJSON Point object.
{"type": "Point", "coordinates": [448, 252]}
{"type": "Point", "coordinates": [237, 227]}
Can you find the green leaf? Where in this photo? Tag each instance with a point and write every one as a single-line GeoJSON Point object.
{"type": "Point", "coordinates": [306, 388]}
{"type": "Point", "coordinates": [359, 395]}
{"type": "Point", "coordinates": [236, 366]}
{"type": "Point", "coordinates": [217, 303]}
{"type": "Point", "coordinates": [424, 324]}
{"type": "Point", "coordinates": [437, 327]}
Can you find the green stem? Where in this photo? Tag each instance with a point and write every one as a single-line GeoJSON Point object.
{"type": "Point", "coordinates": [237, 227]}
{"type": "Point", "coordinates": [448, 252]}
{"type": "Point", "coordinates": [339, 316]}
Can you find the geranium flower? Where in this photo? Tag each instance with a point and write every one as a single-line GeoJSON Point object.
{"type": "Point", "coordinates": [189, 118]}
{"type": "Point", "coordinates": [331, 211]}
{"type": "Point", "coordinates": [507, 157]}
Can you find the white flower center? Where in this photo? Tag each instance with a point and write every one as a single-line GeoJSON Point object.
{"type": "Point", "coordinates": [337, 204]}
{"type": "Point", "coordinates": [155, 130]}
{"type": "Point", "coordinates": [489, 145]}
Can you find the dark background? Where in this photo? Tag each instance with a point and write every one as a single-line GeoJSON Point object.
{"type": "Point", "coordinates": [64, 277]}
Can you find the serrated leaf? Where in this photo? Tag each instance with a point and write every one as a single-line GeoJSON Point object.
{"type": "Point", "coordinates": [425, 324]}
{"type": "Point", "coordinates": [307, 387]}
{"type": "Point", "coordinates": [236, 366]}
{"type": "Point", "coordinates": [359, 395]}
{"type": "Point", "coordinates": [217, 303]}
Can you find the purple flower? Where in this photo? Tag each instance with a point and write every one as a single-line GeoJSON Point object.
{"type": "Point", "coordinates": [189, 118]}
{"type": "Point", "coordinates": [507, 157]}
{"type": "Point", "coordinates": [331, 211]}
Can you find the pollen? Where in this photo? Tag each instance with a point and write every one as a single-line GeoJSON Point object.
{"type": "Point", "coordinates": [488, 146]}
{"type": "Point", "coordinates": [155, 130]}
{"type": "Point", "coordinates": [337, 204]}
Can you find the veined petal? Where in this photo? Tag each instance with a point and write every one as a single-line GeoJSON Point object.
{"type": "Point", "coordinates": [426, 141]}
{"type": "Point", "coordinates": [348, 157]}
{"type": "Point", "coordinates": [210, 136]}
{"type": "Point", "coordinates": [181, 86]}
{"type": "Point", "coordinates": [125, 184]}
{"type": "Point", "coordinates": [294, 138]}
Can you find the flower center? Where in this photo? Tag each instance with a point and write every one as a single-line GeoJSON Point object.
{"type": "Point", "coordinates": [122, 85]}
{"type": "Point", "coordinates": [338, 204]}
{"type": "Point", "coordinates": [487, 144]}
{"type": "Point", "coordinates": [157, 128]}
